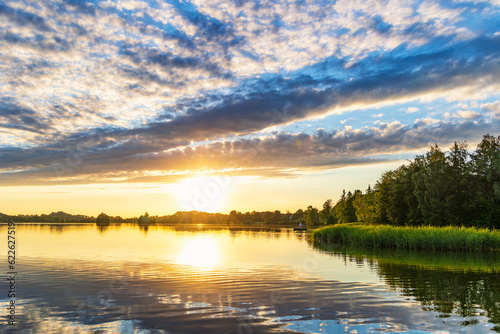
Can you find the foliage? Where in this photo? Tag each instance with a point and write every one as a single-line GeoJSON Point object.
{"type": "Point", "coordinates": [326, 215]}
{"type": "Point", "coordinates": [433, 238]}
{"type": "Point", "coordinates": [458, 187]}
{"type": "Point", "coordinates": [311, 216]}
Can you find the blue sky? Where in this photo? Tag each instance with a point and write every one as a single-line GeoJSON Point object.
{"type": "Point", "coordinates": [150, 91]}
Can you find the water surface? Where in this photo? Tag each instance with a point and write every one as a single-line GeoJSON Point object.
{"type": "Point", "coordinates": [127, 279]}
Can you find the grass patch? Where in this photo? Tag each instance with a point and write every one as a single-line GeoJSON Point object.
{"type": "Point", "coordinates": [423, 238]}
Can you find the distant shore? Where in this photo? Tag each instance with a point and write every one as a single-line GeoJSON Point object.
{"type": "Point", "coordinates": [432, 238]}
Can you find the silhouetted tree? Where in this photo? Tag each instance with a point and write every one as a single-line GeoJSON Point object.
{"type": "Point", "coordinates": [103, 219]}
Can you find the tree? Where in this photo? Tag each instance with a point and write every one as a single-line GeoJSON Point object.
{"type": "Point", "coordinates": [298, 216]}
{"type": "Point", "coordinates": [431, 187]}
{"type": "Point", "coordinates": [234, 217]}
{"type": "Point", "coordinates": [276, 216]}
{"type": "Point", "coordinates": [344, 210]}
{"type": "Point", "coordinates": [438, 188]}
{"type": "Point", "coordinates": [103, 219]}
{"type": "Point", "coordinates": [311, 217]}
{"type": "Point", "coordinates": [366, 207]}
{"type": "Point", "coordinates": [256, 217]}
{"type": "Point", "coordinates": [326, 215]}
{"type": "Point", "coordinates": [145, 219]}
{"type": "Point", "coordinates": [486, 175]}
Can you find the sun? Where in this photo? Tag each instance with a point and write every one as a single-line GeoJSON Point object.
{"type": "Point", "coordinates": [199, 252]}
{"type": "Point", "coordinates": [203, 193]}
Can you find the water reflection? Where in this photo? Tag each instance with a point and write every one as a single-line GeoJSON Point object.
{"type": "Point", "coordinates": [122, 280]}
{"type": "Point", "coordinates": [460, 288]}
{"type": "Point", "coordinates": [144, 228]}
{"type": "Point", "coordinates": [102, 229]}
{"type": "Point", "coordinates": [201, 251]}
{"type": "Point", "coordinates": [472, 295]}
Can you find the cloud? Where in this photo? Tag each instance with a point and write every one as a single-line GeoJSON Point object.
{"type": "Point", "coordinates": [23, 18]}
{"type": "Point", "coordinates": [468, 114]}
{"type": "Point", "coordinates": [492, 108]}
{"type": "Point", "coordinates": [464, 114]}
{"type": "Point", "coordinates": [150, 78]}
{"type": "Point", "coordinates": [15, 116]}
{"type": "Point", "coordinates": [266, 155]}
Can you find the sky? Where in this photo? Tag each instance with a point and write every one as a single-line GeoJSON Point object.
{"type": "Point", "coordinates": [159, 106]}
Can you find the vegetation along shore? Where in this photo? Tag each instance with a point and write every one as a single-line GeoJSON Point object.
{"type": "Point", "coordinates": [434, 238]}
{"type": "Point", "coordinates": [447, 201]}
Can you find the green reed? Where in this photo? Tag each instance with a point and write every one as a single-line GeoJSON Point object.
{"type": "Point", "coordinates": [448, 238]}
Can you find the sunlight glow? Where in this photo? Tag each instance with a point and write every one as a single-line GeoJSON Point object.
{"type": "Point", "coordinates": [199, 252]}
{"type": "Point", "coordinates": [203, 193]}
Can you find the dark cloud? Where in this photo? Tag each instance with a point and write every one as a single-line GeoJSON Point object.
{"type": "Point", "coordinates": [38, 41]}
{"type": "Point", "coordinates": [145, 57]}
{"type": "Point", "coordinates": [23, 18]}
{"type": "Point", "coordinates": [167, 32]}
{"type": "Point", "coordinates": [14, 116]}
{"type": "Point", "coordinates": [210, 27]}
{"type": "Point", "coordinates": [81, 6]}
{"type": "Point", "coordinates": [148, 76]}
{"type": "Point", "coordinates": [253, 156]}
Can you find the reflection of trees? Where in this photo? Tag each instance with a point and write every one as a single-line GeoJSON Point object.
{"type": "Point", "coordinates": [57, 228]}
{"type": "Point", "coordinates": [144, 228]}
{"type": "Point", "coordinates": [102, 228]}
{"type": "Point", "coordinates": [466, 285]}
{"type": "Point", "coordinates": [465, 293]}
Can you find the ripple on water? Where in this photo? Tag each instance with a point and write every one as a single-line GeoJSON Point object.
{"type": "Point", "coordinates": [241, 294]}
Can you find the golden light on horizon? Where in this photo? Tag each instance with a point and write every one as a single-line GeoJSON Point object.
{"type": "Point", "coordinates": [201, 252]}
{"type": "Point", "coordinates": [203, 193]}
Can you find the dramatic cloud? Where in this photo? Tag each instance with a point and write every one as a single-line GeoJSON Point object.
{"type": "Point", "coordinates": [128, 90]}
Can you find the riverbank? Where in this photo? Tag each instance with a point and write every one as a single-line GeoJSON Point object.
{"type": "Point", "coordinates": [423, 238]}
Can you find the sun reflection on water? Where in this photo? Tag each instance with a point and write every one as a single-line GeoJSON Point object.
{"type": "Point", "coordinates": [201, 252]}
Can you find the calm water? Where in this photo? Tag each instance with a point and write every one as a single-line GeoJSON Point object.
{"type": "Point", "coordinates": [124, 279]}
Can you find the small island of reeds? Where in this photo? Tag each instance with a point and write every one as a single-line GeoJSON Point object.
{"type": "Point", "coordinates": [450, 238]}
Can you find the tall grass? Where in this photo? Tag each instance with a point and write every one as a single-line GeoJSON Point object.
{"type": "Point", "coordinates": [425, 238]}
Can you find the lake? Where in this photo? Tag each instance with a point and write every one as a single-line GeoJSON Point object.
{"type": "Point", "coordinates": [130, 279]}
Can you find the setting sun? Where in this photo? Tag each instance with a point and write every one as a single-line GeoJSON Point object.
{"type": "Point", "coordinates": [203, 193]}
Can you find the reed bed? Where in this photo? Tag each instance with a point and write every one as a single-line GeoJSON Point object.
{"type": "Point", "coordinates": [433, 238]}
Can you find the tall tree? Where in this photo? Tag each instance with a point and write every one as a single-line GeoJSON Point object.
{"type": "Point", "coordinates": [311, 216]}
{"type": "Point", "coordinates": [326, 215]}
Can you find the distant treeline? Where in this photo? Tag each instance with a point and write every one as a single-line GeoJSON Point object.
{"type": "Point", "coordinates": [458, 187]}
{"type": "Point", "coordinates": [54, 217]}
{"type": "Point", "coordinates": [180, 217]}
{"type": "Point", "coordinates": [196, 217]}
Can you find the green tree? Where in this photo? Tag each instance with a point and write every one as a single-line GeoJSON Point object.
{"type": "Point", "coordinates": [431, 187]}
{"type": "Point", "coordinates": [344, 210]}
{"type": "Point", "coordinates": [326, 215]}
{"type": "Point", "coordinates": [311, 217]}
{"type": "Point", "coordinates": [366, 207]}
{"type": "Point", "coordinates": [486, 176]}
